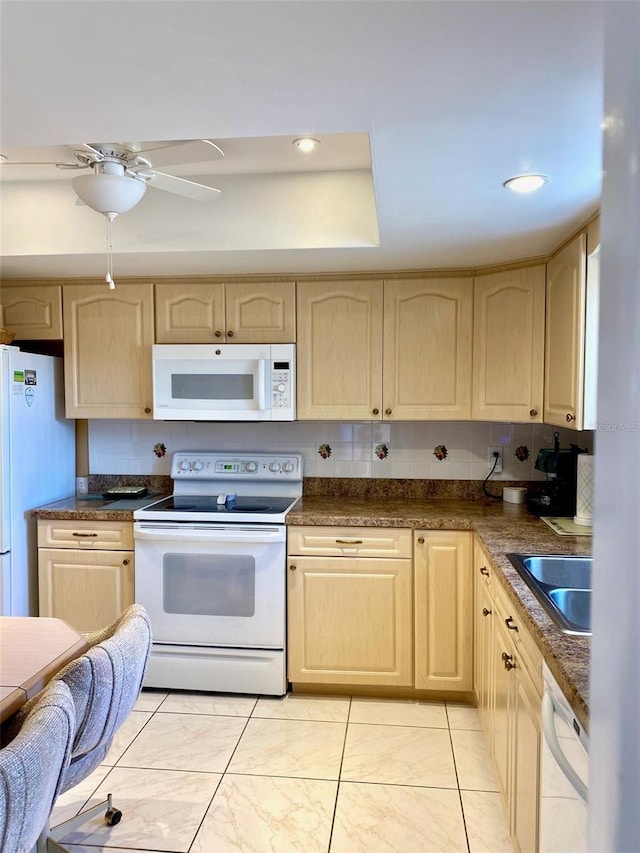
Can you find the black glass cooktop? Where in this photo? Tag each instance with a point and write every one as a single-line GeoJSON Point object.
{"type": "Point", "coordinates": [209, 503]}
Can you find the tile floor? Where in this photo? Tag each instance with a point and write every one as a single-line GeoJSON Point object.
{"type": "Point", "coordinates": [210, 773]}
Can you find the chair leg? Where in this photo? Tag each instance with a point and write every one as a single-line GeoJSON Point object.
{"type": "Point", "coordinates": [52, 837]}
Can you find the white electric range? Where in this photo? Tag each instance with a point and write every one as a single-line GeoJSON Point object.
{"type": "Point", "coordinates": [210, 570]}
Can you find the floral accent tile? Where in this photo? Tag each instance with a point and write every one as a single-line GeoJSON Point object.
{"type": "Point", "coordinates": [325, 451]}
{"type": "Point", "coordinates": [440, 452]}
{"type": "Point", "coordinates": [521, 453]}
{"type": "Point", "coordinates": [381, 451]}
{"type": "Point", "coordinates": [160, 449]}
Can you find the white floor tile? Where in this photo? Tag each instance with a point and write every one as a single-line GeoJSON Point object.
{"type": "Point", "coordinates": [463, 717]}
{"type": "Point", "coordinates": [300, 748]}
{"type": "Point", "coordinates": [125, 735]}
{"type": "Point", "coordinates": [209, 703]}
{"type": "Point", "coordinates": [486, 822]}
{"type": "Point", "coordinates": [397, 818]}
{"type": "Point", "coordinates": [398, 713]}
{"type": "Point", "coordinates": [161, 810]}
{"type": "Point", "coordinates": [301, 707]}
{"type": "Point", "coordinates": [473, 762]}
{"type": "Point", "coordinates": [262, 814]}
{"type": "Point", "coordinates": [70, 803]}
{"type": "Point", "coordinates": [185, 742]}
{"type": "Point", "coordinates": [401, 755]}
{"type": "Point", "coordinates": [150, 700]}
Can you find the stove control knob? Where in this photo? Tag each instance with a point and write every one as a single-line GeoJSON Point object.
{"type": "Point", "coordinates": [184, 465]}
{"type": "Point", "coordinates": [251, 467]}
{"type": "Point", "coordinates": [274, 467]}
{"type": "Point", "coordinates": [198, 465]}
{"type": "Point", "coordinates": [288, 467]}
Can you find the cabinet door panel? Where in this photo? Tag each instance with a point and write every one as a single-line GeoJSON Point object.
{"type": "Point", "coordinates": [564, 337]}
{"type": "Point", "coordinates": [350, 621]}
{"type": "Point", "coordinates": [107, 347]}
{"type": "Point", "coordinates": [508, 354]}
{"type": "Point", "coordinates": [526, 781]}
{"type": "Point", "coordinates": [34, 312]}
{"type": "Point", "coordinates": [339, 350]}
{"type": "Point", "coordinates": [261, 313]}
{"type": "Point", "coordinates": [187, 313]}
{"type": "Point", "coordinates": [427, 348]}
{"type": "Point", "coordinates": [88, 589]}
{"type": "Point", "coordinates": [443, 611]}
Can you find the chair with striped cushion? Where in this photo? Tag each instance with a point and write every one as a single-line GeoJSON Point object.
{"type": "Point", "coordinates": [32, 767]}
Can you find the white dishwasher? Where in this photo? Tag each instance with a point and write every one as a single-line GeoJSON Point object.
{"type": "Point", "coordinates": [564, 774]}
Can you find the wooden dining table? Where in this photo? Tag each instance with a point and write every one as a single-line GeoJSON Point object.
{"type": "Point", "coordinates": [32, 650]}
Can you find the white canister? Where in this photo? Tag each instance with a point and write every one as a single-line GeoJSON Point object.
{"type": "Point", "coordinates": [514, 494]}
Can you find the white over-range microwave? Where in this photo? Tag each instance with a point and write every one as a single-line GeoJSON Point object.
{"type": "Point", "coordinates": [225, 382]}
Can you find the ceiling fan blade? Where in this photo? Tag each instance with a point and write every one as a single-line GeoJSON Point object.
{"type": "Point", "coordinates": [180, 151]}
{"type": "Point", "coordinates": [181, 186]}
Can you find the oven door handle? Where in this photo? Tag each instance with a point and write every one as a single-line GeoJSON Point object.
{"type": "Point", "coordinates": [205, 533]}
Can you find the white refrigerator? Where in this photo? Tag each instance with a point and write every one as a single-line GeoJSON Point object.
{"type": "Point", "coordinates": [37, 466]}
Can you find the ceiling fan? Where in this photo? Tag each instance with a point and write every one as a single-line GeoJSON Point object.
{"type": "Point", "coordinates": [121, 172]}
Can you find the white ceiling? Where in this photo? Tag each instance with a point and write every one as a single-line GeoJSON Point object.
{"type": "Point", "coordinates": [423, 110]}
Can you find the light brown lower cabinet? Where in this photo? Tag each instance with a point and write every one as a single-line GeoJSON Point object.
{"type": "Point", "coordinates": [350, 616]}
{"type": "Point", "coordinates": [85, 571]}
{"type": "Point", "coordinates": [380, 607]}
{"type": "Point", "coordinates": [510, 709]}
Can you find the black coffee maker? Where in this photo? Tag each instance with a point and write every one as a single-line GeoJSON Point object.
{"type": "Point", "coordinates": [558, 495]}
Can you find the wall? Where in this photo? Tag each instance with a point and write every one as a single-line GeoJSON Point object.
{"type": "Point", "coordinates": [127, 446]}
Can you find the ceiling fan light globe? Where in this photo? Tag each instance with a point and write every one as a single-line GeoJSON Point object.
{"type": "Point", "coordinates": [107, 193]}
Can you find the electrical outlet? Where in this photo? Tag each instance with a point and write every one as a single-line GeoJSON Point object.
{"type": "Point", "coordinates": [492, 458]}
{"type": "Point", "coordinates": [82, 485]}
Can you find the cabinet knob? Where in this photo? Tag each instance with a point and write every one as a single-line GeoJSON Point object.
{"type": "Point", "coordinates": [570, 417]}
{"type": "Point", "coordinates": [508, 661]}
{"type": "Point", "coordinates": [376, 411]}
{"type": "Point", "coordinates": [484, 571]}
{"type": "Point", "coordinates": [533, 413]}
{"type": "Point", "coordinates": [387, 411]}
{"type": "Point", "coordinates": [292, 568]}
{"type": "Point", "coordinates": [420, 540]}
{"type": "Point", "coordinates": [486, 612]}
{"type": "Point", "coordinates": [147, 410]}
{"type": "Point", "coordinates": [126, 562]}
{"type": "Point", "coordinates": [511, 625]}
{"type": "Point", "coordinates": [218, 333]}
{"type": "Point", "coordinates": [230, 334]}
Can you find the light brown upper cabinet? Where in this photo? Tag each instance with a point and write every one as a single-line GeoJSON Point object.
{"type": "Point", "coordinates": [427, 349]}
{"type": "Point", "coordinates": [508, 345]}
{"type": "Point", "coordinates": [232, 312]}
{"type": "Point", "coordinates": [398, 350]}
{"type": "Point", "coordinates": [33, 311]}
{"type": "Point", "coordinates": [339, 353]}
{"type": "Point", "coordinates": [565, 335]}
{"type": "Point", "coordinates": [107, 347]}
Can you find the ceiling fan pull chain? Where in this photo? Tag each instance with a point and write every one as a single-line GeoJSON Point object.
{"type": "Point", "coordinates": [109, 276]}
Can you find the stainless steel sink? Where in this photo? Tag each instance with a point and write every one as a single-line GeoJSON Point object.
{"type": "Point", "coordinates": [562, 585]}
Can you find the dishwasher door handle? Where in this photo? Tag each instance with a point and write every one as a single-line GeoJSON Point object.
{"type": "Point", "coordinates": [549, 709]}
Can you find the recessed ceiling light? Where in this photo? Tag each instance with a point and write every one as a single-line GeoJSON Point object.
{"type": "Point", "coordinates": [306, 144]}
{"type": "Point", "coordinates": [526, 183]}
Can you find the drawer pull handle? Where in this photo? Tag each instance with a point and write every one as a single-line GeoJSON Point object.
{"type": "Point", "coordinates": [484, 571]}
{"type": "Point", "coordinates": [508, 661]}
{"type": "Point", "coordinates": [486, 612]}
{"type": "Point", "coordinates": [511, 625]}
{"type": "Point", "coordinates": [348, 541]}
{"type": "Point", "coordinates": [85, 535]}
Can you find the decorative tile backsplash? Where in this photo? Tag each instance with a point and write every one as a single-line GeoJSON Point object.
{"type": "Point", "coordinates": [396, 450]}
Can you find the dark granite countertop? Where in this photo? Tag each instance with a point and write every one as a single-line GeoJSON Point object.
{"type": "Point", "coordinates": [503, 528]}
{"type": "Point", "coordinates": [95, 507]}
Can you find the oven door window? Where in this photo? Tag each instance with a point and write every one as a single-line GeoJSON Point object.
{"type": "Point", "coordinates": [209, 585]}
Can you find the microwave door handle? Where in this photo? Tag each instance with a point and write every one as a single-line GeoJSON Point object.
{"type": "Point", "coordinates": [262, 383]}
{"type": "Point", "coordinates": [549, 708]}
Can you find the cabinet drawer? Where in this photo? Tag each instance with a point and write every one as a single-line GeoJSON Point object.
{"type": "Point", "coordinates": [350, 541]}
{"type": "Point", "coordinates": [527, 651]}
{"type": "Point", "coordinates": [107, 535]}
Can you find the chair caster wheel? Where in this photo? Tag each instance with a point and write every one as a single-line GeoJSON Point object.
{"type": "Point", "coordinates": [113, 817]}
